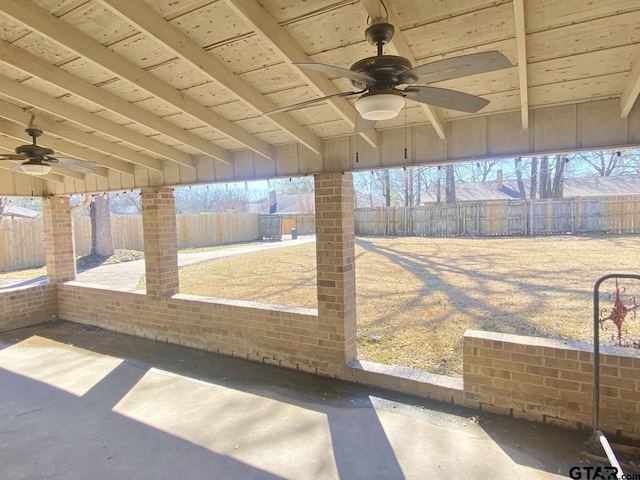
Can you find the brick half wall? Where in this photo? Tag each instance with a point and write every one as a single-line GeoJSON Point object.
{"type": "Point", "coordinates": [551, 381]}
{"type": "Point", "coordinates": [24, 306]}
{"type": "Point", "coordinates": [287, 337]}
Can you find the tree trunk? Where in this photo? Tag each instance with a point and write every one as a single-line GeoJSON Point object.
{"type": "Point", "coordinates": [450, 189]}
{"type": "Point", "coordinates": [386, 187]}
{"type": "Point", "coordinates": [558, 177]}
{"type": "Point", "coordinates": [545, 178]}
{"type": "Point", "coordinates": [518, 165]}
{"type": "Point", "coordinates": [101, 239]}
{"type": "Point", "coordinates": [534, 178]}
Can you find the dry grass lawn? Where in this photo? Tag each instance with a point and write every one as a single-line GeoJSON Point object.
{"type": "Point", "coordinates": [420, 294]}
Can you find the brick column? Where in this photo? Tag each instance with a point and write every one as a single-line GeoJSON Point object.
{"type": "Point", "coordinates": [335, 254]}
{"type": "Point", "coordinates": [160, 241]}
{"type": "Point", "coordinates": [58, 239]}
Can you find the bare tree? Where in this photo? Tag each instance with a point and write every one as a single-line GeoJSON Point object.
{"type": "Point", "coordinates": [476, 171]}
{"type": "Point", "coordinates": [385, 183]}
{"type": "Point", "coordinates": [551, 176]}
{"type": "Point", "coordinates": [126, 202]}
{"type": "Point", "coordinates": [365, 186]}
{"type": "Point", "coordinates": [294, 185]}
{"type": "Point", "coordinates": [604, 163]}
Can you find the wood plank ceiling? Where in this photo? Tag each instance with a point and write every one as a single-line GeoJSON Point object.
{"type": "Point", "coordinates": [168, 92]}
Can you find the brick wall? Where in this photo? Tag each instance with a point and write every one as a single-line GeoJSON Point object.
{"type": "Point", "coordinates": [24, 306]}
{"type": "Point", "coordinates": [538, 379]}
{"type": "Point", "coordinates": [288, 337]}
{"type": "Point", "coordinates": [550, 381]}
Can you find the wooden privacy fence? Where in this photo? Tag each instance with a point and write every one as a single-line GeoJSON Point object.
{"type": "Point", "coordinates": [22, 240]}
{"type": "Point", "coordinates": [193, 231]}
{"type": "Point", "coordinates": [21, 243]}
{"type": "Point", "coordinates": [614, 214]}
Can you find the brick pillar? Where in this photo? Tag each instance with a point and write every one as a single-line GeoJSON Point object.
{"type": "Point", "coordinates": [160, 241]}
{"type": "Point", "coordinates": [335, 254]}
{"type": "Point", "coordinates": [58, 239]}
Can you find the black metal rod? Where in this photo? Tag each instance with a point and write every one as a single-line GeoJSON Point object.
{"type": "Point", "coordinates": [596, 344]}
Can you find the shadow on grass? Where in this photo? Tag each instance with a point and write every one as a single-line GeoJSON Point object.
{"type": "Point", "coordinates": [430, 270]}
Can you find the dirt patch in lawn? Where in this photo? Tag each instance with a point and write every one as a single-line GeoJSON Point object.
{"type": "Point", "coordinates": [119, 256]}
{"type": "Point", "coordinates": [417, 296]}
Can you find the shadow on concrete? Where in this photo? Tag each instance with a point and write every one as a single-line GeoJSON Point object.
{"type": "Point", "coordinates": [63, 436]}
{"type": "Point", "coordinates": [48, 433]}
{"type": "Point", "coordinates": [84, 436]}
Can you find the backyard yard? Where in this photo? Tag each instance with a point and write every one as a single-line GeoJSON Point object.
{"type": "Point", "coordinates": [417, 296]}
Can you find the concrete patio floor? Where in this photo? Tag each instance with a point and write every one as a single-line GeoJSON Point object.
{"type": "Point", "coordinates": [78, 402]}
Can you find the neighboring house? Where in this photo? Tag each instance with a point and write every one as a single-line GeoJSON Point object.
{"type": "Point", "coordinates": [500, 189]}
{"type": "Point", "coordinates": [15, 211]}
{"type": "Point", "coordinates": [363, 200]}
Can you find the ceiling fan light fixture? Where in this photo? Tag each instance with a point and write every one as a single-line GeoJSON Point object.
{"type": "Point", "coordinates": [35, 168]}
{"type": "Point", "coordinates": [379, 106]}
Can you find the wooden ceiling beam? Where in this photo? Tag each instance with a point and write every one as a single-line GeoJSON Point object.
{"type": "Point", "coordinates": [60, 78]}
{"type": "Point", "coordinates": [73, 39]}
{"type": "Point", "coordinates": [156, 27]}
{"type": "Point", "coordinates": [521, 49]}
{"type": "Point", "coordinates": [399, 46]}
{"type": "Point", "coordinates": [63, 109]}
{"type": "Point", "coordinates": [631, 90]}
{"type": "Point", "coordinates": [276, 36]}
{"type": "Point", "coordinates": [23, 118]}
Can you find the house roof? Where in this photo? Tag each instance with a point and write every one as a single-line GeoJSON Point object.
{"type": "Point", "coordinates": [573, 187]}
{"type": "Point", "coordinates": [11, 210]}
{"type": "Point", "coordinates": [173, 92]}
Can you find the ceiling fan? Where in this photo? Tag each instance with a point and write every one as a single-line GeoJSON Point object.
{"type": "Point", "coordinates": [39, 158]}
{"type": "Point", "coordinates": [383, 81]}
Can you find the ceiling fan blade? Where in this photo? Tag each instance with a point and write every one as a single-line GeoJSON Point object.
{"type": "Point", "coordinates": [340, 72]}
{"type": "Point", "coordinates": [456, 67]}
{"type": "Point", "coordinates": [445, 98]}
{"type": "Point", "coordinates": [363, 125]}
{"type": "Point", "coordinates": [311, 102]}
{"type": "Point", "coordinates": [13, 156]}
{"type": "Point", "coordinates": [77, 165]}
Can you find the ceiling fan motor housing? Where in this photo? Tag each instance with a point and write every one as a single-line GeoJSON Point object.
{"type": "Point", "coordinates": [34, 151]}
{"type": "Point", "coordinates": [384, 68]}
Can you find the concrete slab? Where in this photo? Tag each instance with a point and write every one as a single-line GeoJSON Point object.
{"type": "Point", "coordinates": [79, 402]}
